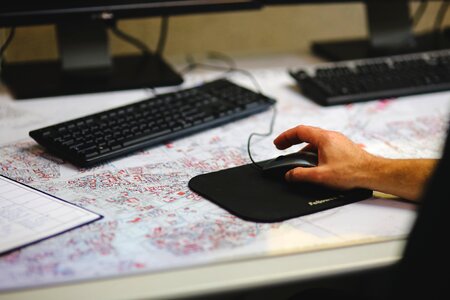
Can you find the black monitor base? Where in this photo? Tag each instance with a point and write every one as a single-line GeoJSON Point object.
{"type": "Point", "coordinates": [360, 48]}
{"type": "Point", "coordinates": [47, 79]}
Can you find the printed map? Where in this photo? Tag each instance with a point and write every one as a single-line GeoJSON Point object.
{"type": "Point", "coordinates": [153, 222]}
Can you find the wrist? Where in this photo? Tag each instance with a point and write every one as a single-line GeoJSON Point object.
{"type": "Point", "coordinates": [405, 178]}
{"type": "Point", "coordinates": [370, 171]}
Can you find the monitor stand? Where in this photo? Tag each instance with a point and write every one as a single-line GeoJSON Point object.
{"type": "Point", "coordinates": [85, 66]}
{"type": "Point", "coordinates": [390, 33]}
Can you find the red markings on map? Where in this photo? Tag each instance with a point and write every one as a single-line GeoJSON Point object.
{"type": "Point", "coordinates": [221, 159]}
{"type": "Point", "coordinates": [411, 132]}
{"type": "Point", "coordinates": [99, 237]}
{"type": "Point", "coordinates": [27, 162]}
{"type": "Point", "coordinates": [215, 139]}
{"type": "Point", "coordinates": [139, 265]}
{"type": "Point", "coordinates": [203, 236]}
{"type": "Point", "coordinates": [383, 104]}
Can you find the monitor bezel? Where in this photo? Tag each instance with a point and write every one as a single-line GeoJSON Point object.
{"type": "Point", "coordinates": [40, 16]}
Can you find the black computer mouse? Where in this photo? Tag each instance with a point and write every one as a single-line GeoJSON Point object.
{"type": "Point", "coordinates": [278, 167]}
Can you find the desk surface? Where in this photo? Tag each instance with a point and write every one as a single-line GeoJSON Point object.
{"type": "Point", "coordinates": [158, 239]}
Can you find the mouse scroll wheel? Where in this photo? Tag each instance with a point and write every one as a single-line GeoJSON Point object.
{"type": "Point", "coordinates": [279, 157]}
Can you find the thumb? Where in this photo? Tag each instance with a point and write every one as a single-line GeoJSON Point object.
{"type": "Point", "coordinates": [303, 174]}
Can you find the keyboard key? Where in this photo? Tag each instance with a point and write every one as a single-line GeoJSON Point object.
{"type": "Point", "coordinates": [96, 138]}
{"type": "Point", "coordinates": [372, 79]}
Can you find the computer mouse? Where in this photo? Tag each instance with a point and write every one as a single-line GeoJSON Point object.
{"type": "Point", "coordinates": [278, 166]}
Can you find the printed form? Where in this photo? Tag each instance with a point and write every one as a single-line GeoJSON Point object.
{"type": "Point", "coordinates": [28, 215]}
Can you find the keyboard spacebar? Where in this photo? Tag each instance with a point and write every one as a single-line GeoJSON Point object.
{"type": "Point", "coordinates": [145, 137]}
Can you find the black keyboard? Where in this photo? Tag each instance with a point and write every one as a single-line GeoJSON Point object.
{"type": "Point", "coordinates": [376, 78]}
{"type": "Point", "coordinates": [112, 133]}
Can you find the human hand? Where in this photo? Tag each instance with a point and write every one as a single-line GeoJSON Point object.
{"type": "Point", "coordinates": [342, 163]}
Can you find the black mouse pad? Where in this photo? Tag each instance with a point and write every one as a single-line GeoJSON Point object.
{"type": "Point", "coordinates": [248, 194]}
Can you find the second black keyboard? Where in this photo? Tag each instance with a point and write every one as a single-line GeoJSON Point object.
{"type": "Point", "coordinates": [375, 78]}
{"type": "Point", "coordinates": [96, 138]}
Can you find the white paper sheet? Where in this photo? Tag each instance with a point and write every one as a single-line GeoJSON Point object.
{"type": "Point", "coordinates": [28, 215]}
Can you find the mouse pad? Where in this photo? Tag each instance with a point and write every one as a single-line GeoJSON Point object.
{"type": "Point", "coordinates": [248, 194]}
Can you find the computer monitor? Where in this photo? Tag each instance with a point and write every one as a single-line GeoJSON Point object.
{"type": "Point", "coordinates": [84, 64]}
{"type": "Point", "coordinates": [390, 28]}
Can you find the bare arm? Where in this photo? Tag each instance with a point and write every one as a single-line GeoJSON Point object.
{"type": "Point", "coordinates": [405, 178]}
{"type": "Point", "coordinates": [345, 165]}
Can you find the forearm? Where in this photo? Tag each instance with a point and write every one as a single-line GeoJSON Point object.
{"type": "Point", "coordinates": [405, 178]}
